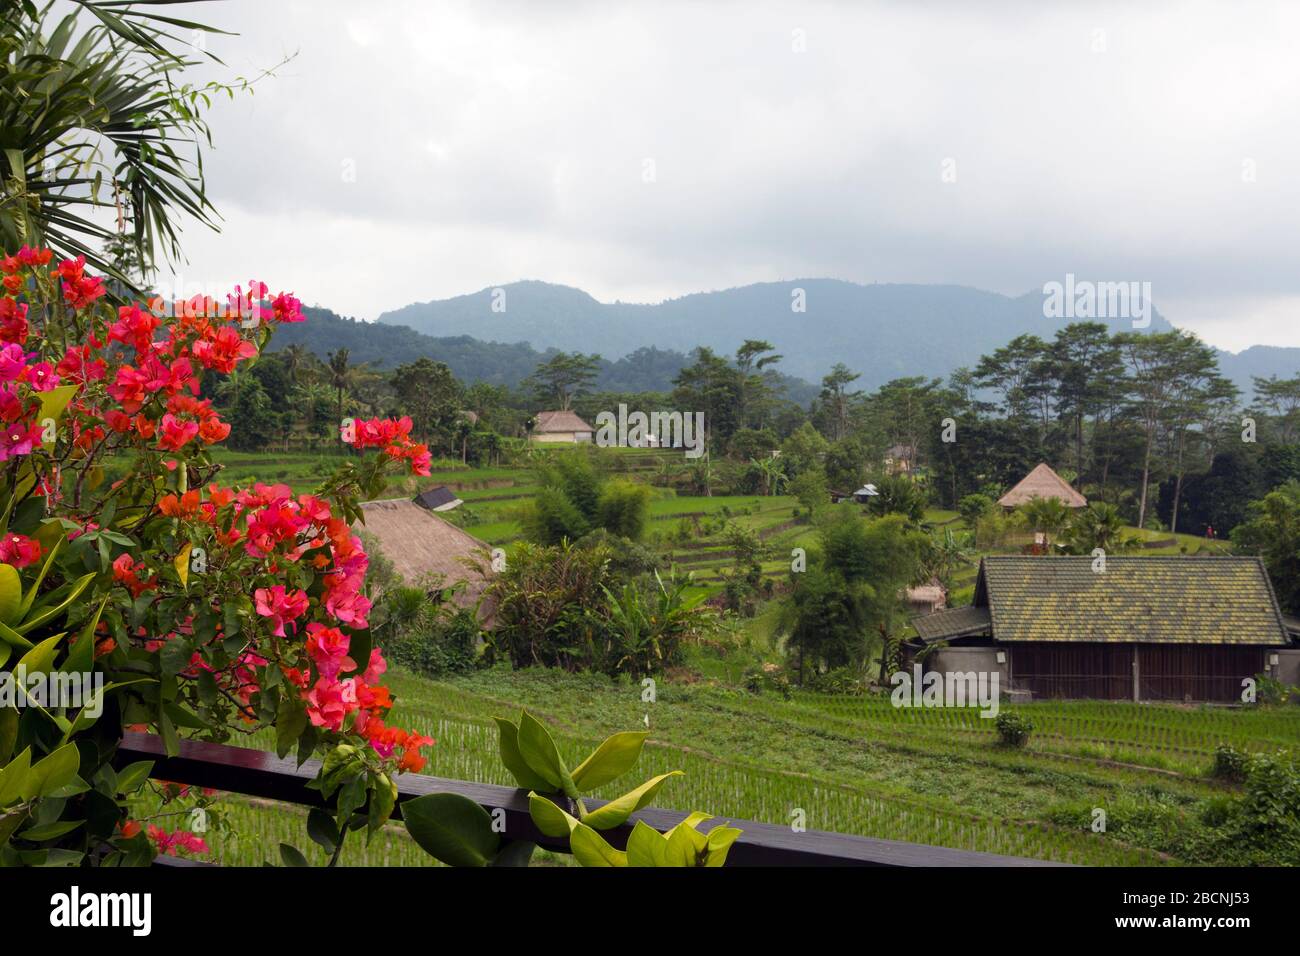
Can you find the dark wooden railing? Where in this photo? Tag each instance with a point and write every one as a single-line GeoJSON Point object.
{"type": "Point", "coordinates": [259, 774]}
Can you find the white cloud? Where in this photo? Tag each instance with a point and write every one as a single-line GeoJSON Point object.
{"type": "Point", "coordinates": [497, 141]}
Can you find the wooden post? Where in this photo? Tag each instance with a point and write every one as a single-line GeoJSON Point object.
{"type": "Point", "coordinates": [1137, 676]}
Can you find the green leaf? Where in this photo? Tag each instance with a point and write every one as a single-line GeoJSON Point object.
{"type": "Point", "coordinates": [50, 831]}
{"type": "Point", "coordinates": [15, 779]}
{"type": "Point", "coordinates": [514, 853]}
{"type": "Point", "coordinates": [383, 798]}
{"type": "Point", "coordinates": [322, 830]}
{"type": "Point", "coordinates": [451, 828]}
{"type": "Point", "coordinates": [47, 614]}
{"type": "Point", "coordinates": [131, 777]}
{"type": "Point", "coordinates": [81, 657]}
{"type": "Point", "coordinates": [513, 759]}
{"type": "Point", "coordinates": [539, 751]}
{"type": "Point", "coordinates": [167, 730]}
{"type": "Point", "coordinates": [550, 818]}
{"type": "Point", "coordinates": [9, 823]}
{"type": "Point", "coordinates": [590, 849]}
{"type": "Point", "coordinates": [720, 841]}
{"type": "Point", "coordinates": [292, 856]}
{"type": "Point", "coordinates": [40, 659]}
{"type": "Point", "coordinates": [56, 770]}
{"type": "Point", "coordinates": [613, 758]}
{"type": "Point", "coordinates": [646, 846]}
{"type": "Point", "coordinates": [11, 594]}
{"type": "Point", "coordinates": [616, 812]}
{"type": "Point", "coordinates": [13, 638]}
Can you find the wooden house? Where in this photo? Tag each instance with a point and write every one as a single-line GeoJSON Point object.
{"type": "Point", "coordinates": [564, 426]}
{"type": "Point", "coordinates": [1144, 628]}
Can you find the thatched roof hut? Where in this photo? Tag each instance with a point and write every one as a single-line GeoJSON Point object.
{"type": "Point", "coordinates": [560, 426]}
{"type": "Point", "coordinates": [419, 543]}
{"type": "Point", "coordinates": [1042, 482]}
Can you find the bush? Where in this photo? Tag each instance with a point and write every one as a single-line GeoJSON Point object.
{"type": "Point", "coordinates": [448, 646]}
{"type": "Point", "coordinates": [624, 508]}
{"type": "Point", "coordinates": [1014, 730]}
{"type": "Point", "coordinates": [973, 507]}
{"type": "Point", "coordinates": [1229, 763]}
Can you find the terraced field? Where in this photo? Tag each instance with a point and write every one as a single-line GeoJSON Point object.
{"type": "Point", "coordinates": [853, 765]}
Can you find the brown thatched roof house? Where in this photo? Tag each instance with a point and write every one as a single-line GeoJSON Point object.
{"type": "Point", "coordinates": [560, 426]}
{"type": "Point", "coordinates": [1042, 482]}
{"type": "Point", "coordinates": [419, 543]}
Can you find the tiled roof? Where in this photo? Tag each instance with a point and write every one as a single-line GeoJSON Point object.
{"type": "Point", "coordinates": [955, 622]}
{"type": "Point", "coordinates": [1158, 599]}
{"type": "Point", "coordinates": [1042, 482]}
{"type": "Point", "coordinates": [561, 421]}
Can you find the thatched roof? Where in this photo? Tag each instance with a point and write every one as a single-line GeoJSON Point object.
{"type": "Point", "coordinates": [1042, 482]}
{"type": "Point", "coordinates": [1162, 599]}
{"type": "Point", "coordinates": [418, 543]}
{"type": "Point", "coordinates": [561, 421]}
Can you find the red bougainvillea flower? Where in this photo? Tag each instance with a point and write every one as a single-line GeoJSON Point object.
{"type": "Point", "coordinates": [125, 572]}
{"type": "Point", "coordinates": [281, 606]}
{"type": "Point", "coordinates": [170, 844]}
{"type": "Point", "coordinates": [19, 550]}
{"type": "Point", "coordinates": [176, 434]}
{"type": "Point", "coordinates": [134, 327]}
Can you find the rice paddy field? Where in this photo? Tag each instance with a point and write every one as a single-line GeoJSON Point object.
{"type": "Point", "coordinates": [849, 764]}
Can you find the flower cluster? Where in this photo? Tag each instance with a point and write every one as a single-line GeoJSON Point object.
{"type": "Point", "coordinates": [273, 625]}
{"type": "Point", "coordinates": [393, 436]}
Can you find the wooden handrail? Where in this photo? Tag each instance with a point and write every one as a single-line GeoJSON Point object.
{"type": "Point", "coordinates": [257, 773]}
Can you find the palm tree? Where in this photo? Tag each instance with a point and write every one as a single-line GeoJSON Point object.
{"type": "Point", "coordinates": [1048, 515]}
{"type": "Point", "coordinates": [771, 472]}
{"type": "Point", "coordinates": [701, 476]}
{"type": "Point", "coordinates": [1098, 526]}
{"type": "Point", "coordinates": [104, 121]}
{"type": "Point", "coordinates": [296, 359]}
{"type": "Point", "coordinates": [342, 376]}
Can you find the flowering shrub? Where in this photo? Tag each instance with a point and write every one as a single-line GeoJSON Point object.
{"type": "Point", "coordinates": [197, 610]}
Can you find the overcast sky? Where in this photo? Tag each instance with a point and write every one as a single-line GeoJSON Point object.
{"type": "Point", "coordinates": [641, 151]}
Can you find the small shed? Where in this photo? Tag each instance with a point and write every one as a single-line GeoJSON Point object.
{"type": "Point", "coordinates": [440, 498]}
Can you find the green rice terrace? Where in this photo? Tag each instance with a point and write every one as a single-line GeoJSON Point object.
{"type": "Point", "coordinates": [752, 750]}
{"type": "Point", "coordinates": [848, 764]}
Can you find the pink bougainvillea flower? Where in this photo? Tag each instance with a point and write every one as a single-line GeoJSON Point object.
{"type": "Point", "coordinates": [18, 439]}
{"type": "Point", "coordinates": [176, 434]}
{"type": "Point", "coordinates": [42, 377]}
{"type": "Point", "coordinates": [19, 550]}
{"type": "Point", "coordinates": [281, 606]}
{"type": "Point", "coordinates": [328, 649]}
{"type": "Point", "coordinates": [13, 362]}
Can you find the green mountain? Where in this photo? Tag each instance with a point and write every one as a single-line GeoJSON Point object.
{"type": "Point", "coordinates": [883, 331]}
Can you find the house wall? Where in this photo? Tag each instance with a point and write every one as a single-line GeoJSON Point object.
{"type": "Point", "coordinates": [554, 437]}
{"type": "Point", "coordinates": [1099, 670]}
{"type": "Point", "coordinates": [967, 659]}
{"type": "Point", "coordinates": [1288, 667]}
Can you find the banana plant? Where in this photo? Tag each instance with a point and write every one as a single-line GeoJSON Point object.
{"type": "Point", "coordinates": [459, 832]}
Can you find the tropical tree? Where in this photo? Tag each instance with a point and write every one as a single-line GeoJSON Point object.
{"type": "Point", "coordinates": [1098, 526]}
{"type": "Point", "coordinates": [105, 130]}
{"type": "Point", "coordinates": [1049, 516]}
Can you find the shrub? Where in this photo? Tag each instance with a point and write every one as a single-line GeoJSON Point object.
{"type": "Point", "coordinates": [448, 645]}
{"type": "Point", "coordinates": [1013, 729]}
{"type": "Point", "coordinates": [1229, 763]}
{"type": "Point", "coordinates": [976, 506]}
